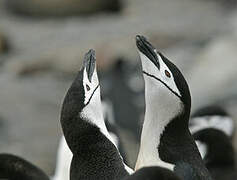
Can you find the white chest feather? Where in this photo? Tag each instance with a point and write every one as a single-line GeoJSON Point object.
{"type": "Point", "coordinates": [64, 158]}
{"type": "Point", "coordinates": [160, 110]}
{"type": "Point", "coordinates": [93, 113]}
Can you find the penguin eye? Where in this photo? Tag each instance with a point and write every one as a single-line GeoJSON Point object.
{"type": "Point", "coordinates": [167, 74]}
{"type": "Point", "coordinates": [88, 88]}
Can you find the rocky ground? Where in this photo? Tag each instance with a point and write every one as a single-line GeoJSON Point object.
{"type": "Point", "coordinates": [39, 57]}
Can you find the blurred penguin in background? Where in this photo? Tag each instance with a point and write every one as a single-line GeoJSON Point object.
{"type": "Point", "coordinates": [213, 129]}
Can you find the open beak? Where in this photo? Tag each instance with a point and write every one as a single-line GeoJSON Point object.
{"type": "Point", "coordinates": [89, 63]}
{"type": "Point", "coordinates": [147, 49]}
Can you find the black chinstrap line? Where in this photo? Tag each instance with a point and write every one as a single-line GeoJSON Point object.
{"type": "Point", "coordinates": [152, 76]}
{"type": "Point", "coordinates": [92, 94]}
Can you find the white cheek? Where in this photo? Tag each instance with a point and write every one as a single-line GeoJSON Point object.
{"type": "Point", "coordinates": [148, 66]}
{"type": "Point", "coordinates": [222, 123]}
{"type": "Point", "coordinates": [87, 95]}
{"type": "Point", "coordinates": [151, 69]}
{"type": "Point", "coordinates": [226, 124]}
{"type": "Point", "coordinates": [92, 85]}
{"type": "Point", "coordinates": [168, 80]}
{"type": "Point", "coordinates": [198, 124]}
{"type": "Point", "coordinates": [93, 111]}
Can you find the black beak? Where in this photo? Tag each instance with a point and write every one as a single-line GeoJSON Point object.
{"type": "Point", "coordinates": [89, 63]}
{"type": "Point", "coordinates": [147, 49]}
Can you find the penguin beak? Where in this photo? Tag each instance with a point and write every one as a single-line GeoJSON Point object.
{"type": "Point", "coordinates": [147, 49]}
{"type": "Point", "coordinates": [89, 63]}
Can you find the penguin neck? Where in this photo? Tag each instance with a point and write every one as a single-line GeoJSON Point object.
{"type": "Point", "coordinates": [85, 132]}
{"type": "Point", "coordinates": [177, 146]}
{"type": "Point", "coordinates": [166, 140]}
{"type": "Point", "coordinates": [82, 122]}
{"type": "Point", "coordinates": [93, 114]}
{"type": "Point", "coordinates": [159, 112]}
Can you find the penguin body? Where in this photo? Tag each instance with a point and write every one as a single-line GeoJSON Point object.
{"type": "Point", "coordinates": [166, 140]}
{"type": "Point", "coordinates": [95, 155]}
{"type": "Point", "coordinates": [220, 155]}
{"type": "Point", "coordinates": [65, 155]}
{"type": "Point", "coordinates": [213, 128]}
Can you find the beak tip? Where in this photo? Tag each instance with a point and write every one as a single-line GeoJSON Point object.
{"type": "Point", "coordinates": [91, 51]}
{"type": "Point", "coordinates": [138, 37]}
{"type": "Point", "coordinates": [91, 54]}
{"type": "Point", "coordinates": [89, 58]}
{"type": "Point", "coordinates": [89, 63]}
{"type": "Point", "coordinates": [146, 48]}
{"type": "Point", "coordinates": [139, 41]}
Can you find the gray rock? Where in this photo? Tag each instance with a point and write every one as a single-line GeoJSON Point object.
{"type": "Point", "coordinates": [62, 7]}
{"type": "Point", "coordinates": [31, 107]}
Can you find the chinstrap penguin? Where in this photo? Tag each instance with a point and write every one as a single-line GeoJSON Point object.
{"type": "Point", "coordinates": [15, 168]}
{"type": "Point", "coordinates": [64, 155]}
{"type": "Point", "coordinates": [211, 117]}
{"type": "Point", "coordinates": [166, 140]}
{"type": "Point", "coordinates": [219, 156]}
{"type": "Point", "coordinates": [95, 155]}
{"type": "Point", "coordinates": [213, 129]}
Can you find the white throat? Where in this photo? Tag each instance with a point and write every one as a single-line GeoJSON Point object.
{"type": "Point", "coordinates": [161, 106]}
{"type": "Point", "coordinates": [93, 113]}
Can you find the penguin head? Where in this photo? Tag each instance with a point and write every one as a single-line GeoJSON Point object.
{"type": "Point", "coordinates": [212, 116]}
{"type": "Point", "coordinates": [90, 81]}
{"type": "Point", "coordinates": [162, 78]}
{"type": "Point", "coordinates": [83, 91]}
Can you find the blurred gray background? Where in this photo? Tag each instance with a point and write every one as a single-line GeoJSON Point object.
{"type": "Point", "coordinates": [42, 43]}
